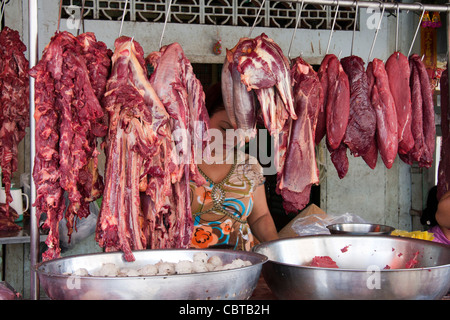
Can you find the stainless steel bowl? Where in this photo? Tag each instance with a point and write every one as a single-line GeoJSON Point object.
{"type": "Point", "coordinates": [56, 277]}
{"type": "Point", "coordinates": [361, 274]}
{"type": "Point", "coordinates": [360, 229]}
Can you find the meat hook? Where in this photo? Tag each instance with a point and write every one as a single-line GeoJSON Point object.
{"type": "Point", "coordinates": [59, 16]}
{"type": "Point", "coordinates": [3, 5]}
{"type": "Point", "coordinates": [295, 29]}
{"type": "Point", "coordinates": [396, 29]}
{"type": "Point", "coordinates": [418, 27]}
{"type": "Point", "coordinates": [332, 27]}
{"type": "Point", "coordinates": [354, 25]}
{"type": "Point", "coordinates": [376, 31]}
{"type": "Point", "coordinates": [256, 19]}
{"type": "Point", "coordinates": [123, 17]}
{"type": "Point", "coordinates": [165, 23]}
{"type": "Point", "coordinates": [81, 18]}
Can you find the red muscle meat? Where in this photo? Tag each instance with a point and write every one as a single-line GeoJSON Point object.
{"type": "Point", "coordinates": [338, 103]}
{"type": "Point", "coordinates": [258, 67]}
{"type": "Point", "coordinates": [14, 110]}
{"type": "Point", "coordinates": [398, 71]}
{"type": "Point", "coordinates": [416, 152]}
{"type": "Point", "coordinates": [323, 262]}
{"type": "Point", "coordinates": [334, 116]}
{"type": "Point", "coordinates": [384, 106]}
{"type": "Point", "coordinates": [360, 134]}
{"type": "Point", "coordinates": [423, 123]}
{"type": "Point", "coordinates": [300, 170]}
{"type": "Point", "coordinates": [182, 95]}
{"type": "Point", "coordinates": [443, 184]}
{"type": "Point", "coordinates": [67, 111]}
{"type": "Point", "coordinates": [137, 121]}
{"type": "Point", "coordinates": [321, 119]}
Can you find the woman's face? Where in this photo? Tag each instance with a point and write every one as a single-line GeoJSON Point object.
{"type": "Point", "coordinates": [220, 121]}
{"type": "Point", "coordinates": [219, 124]}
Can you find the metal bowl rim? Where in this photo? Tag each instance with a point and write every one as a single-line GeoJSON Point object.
{"type": "Point", "coordinates": [389, 228]}
{"type": "Point", "coordinates": [347, 269]}
{"type": "Point", "coordinates": [263, 258]}
{"type": "Point", "coordinates": [360, 224]}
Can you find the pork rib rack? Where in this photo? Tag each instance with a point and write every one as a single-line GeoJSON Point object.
{"type": "Point", "coordinates": [68, 119]}
{"type": "Point", "coordinates": [14, 110]}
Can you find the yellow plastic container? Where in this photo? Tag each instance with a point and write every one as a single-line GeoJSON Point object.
{"type": "Point", "coordinates": [424, 235]}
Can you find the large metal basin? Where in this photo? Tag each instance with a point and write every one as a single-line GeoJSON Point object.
{"type": "Point", "coordinates": [361, 273]}
{"type": "Point", "coordinates": [227, 284]}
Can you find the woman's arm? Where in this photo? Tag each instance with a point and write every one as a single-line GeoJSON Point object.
{"type": "Point", "coordinates": [260, 220]}
{"type": "Point", "coordinates": [443, 211]}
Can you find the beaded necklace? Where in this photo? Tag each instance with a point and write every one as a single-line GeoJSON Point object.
{"type": "Point", "coordinates": [218, 195]}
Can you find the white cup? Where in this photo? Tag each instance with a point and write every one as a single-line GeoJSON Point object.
{"type": "Point", "coordinates": [17, 202]}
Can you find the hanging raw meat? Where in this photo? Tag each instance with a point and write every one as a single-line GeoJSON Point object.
{"type": "Point", "coordinates": [182, 95]}
{"type": "Point", "coordinates": [239, 102]}
{"type": "Point", "coordinates": [443, 184]}
{"type": "Point", "coordinates": [423, 124]}
{"type": "Point", "coordinates": [300, 170]}
{"type": "Point", "coordinates": [398, 71]}
{"type": "Point", "coordinates": [14, 111]}
{"type": "Point", "coordinates": [67, 111]}
{"type": "Point", "coordinates": [384, 106]}
{"type": "Point", "coordinates": [336, 101]}
{"type": "Point", "coordinates": [321, 129]}
{"type": "Point", "coordinates": [334, 114]}
{"type": "Point", "coordinates": [258, 67]}
{"type": "Point", "coordinates": [137, 121]}
{"type": "Point", "coordinates": [360, 134]}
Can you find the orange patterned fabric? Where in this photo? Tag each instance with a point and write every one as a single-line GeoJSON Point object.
{"type": "Point", "coordinates": [220, 210]}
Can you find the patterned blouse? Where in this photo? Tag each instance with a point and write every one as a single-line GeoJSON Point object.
{"type": "Point", "coordinates": [220, 210]}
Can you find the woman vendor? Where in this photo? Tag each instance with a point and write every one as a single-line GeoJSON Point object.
{"type": "Point", "coordinates": [441, 231]}
{"type": "Point", "coordinates": [230, 209]}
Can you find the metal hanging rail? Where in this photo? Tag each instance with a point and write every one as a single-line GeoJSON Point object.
{"type": "Point", "coordinates": [416, 6]}
{"type": "Point", "coordinates": [33, 43]}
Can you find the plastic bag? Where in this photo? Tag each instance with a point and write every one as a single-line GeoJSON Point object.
{"type": "Point", "coordinates": [84, 228]}
{"type": "Point", "coordinates": [317, 223]}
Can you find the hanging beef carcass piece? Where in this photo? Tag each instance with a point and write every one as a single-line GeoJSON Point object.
{"type": "Point", "coordinates": [415, 153]}
{"type": "Point", "coordinates": [14, 110]}
{"type": "Point", "coordinates": [360, 134]}
{"type": "Point", "coordinates": [384, 106]}
{"type": "Point", "coordinates": [67, 110]}
{"type": "Point", "coordinates": [258, 66]}
{"type": "Point", "coordinates": [138, 126]}
{"type": "Point", "coordinates": [334, 114]}
{"type": "Point", "coordinates": [423, 123]}
{"type": "Point", "coordinates": [300, 170]}
{"type": "Point", "coordinates": [398, 71]}
{"type": "Point", "coordinates": [321, 129]}
{"type": "Point", "coordinates": [336, 105]}
{"type": "Point", "coordinates": [182, 95]}
{"type": "Point", "coordinates": [98, 63]}
{"type": "Point", "coordinates": [239, 102]}
{"type": "Point", "coordinates": [443, 184]}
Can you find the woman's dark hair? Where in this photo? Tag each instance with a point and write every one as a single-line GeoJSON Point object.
{"type": "Point", "coordinates": [428, 217]}
{"type": "Point", "coordinates": [213, 99]}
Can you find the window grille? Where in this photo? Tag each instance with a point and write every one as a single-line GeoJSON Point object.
{"type": "Point", "coordinates": [276, 14]}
